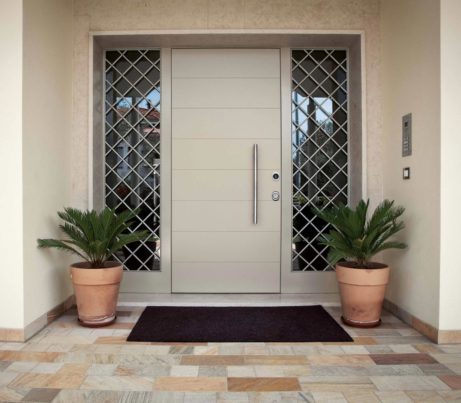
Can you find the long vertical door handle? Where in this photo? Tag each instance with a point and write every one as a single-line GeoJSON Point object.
{"type": "Point", "coordinates": [255, 183]}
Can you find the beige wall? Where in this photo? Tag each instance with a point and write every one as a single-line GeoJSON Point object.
{"type": "Point", "coordinates": [47, 116]}
{"type": "Point", "coordinates": [11, 276]}
{"type": "Point", "coordinates": [129, 15]}
{"type": "Point", "coordinates": [411, 83]}
{"type": "Point", "coordinates": [450, 188]}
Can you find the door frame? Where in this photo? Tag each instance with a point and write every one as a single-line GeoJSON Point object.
{"type": "Point", "coordinates": [285, 40]}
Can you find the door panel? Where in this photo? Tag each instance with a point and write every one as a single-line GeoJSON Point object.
{"type": "Point", "coordinates": [223, 216]}
{"type": "Point", "coordinates": [229, 63]}
{"type": "Point", "coordinates": [221, 277]}
{"type": "Point", "coordinates": [224, 154]}
{"type": "Point", "coordinates": [220, 124]}
{"type": "Point", "coordinates": [226, 92]}
{"type": "Point", "coordinates": [227, 247]}
{"type": "Point", "coordinates": [220, 185]}
{"type": "Point", "coordinates": [223, 103]}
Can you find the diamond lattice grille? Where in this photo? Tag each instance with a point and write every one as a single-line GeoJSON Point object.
{"type": "Point", "coordinates": [132, 147]}
{"type": "Point", "coordinates": [319, 148]}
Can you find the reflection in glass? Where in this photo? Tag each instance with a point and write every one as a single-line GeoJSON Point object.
{"type": "Point", "coordinates": [319, 148]}
{"type": "Point", "coordinates": [132, 147]}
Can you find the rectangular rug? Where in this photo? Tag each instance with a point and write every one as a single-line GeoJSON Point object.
{"type": "Point", "coordinates": [237, 324]}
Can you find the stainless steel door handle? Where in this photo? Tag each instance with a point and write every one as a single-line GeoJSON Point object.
{"type": "Point", "coordinates": [255, 183]}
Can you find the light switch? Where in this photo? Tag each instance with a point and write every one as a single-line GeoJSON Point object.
{"type": "Point", "coordinates": [406, 173]}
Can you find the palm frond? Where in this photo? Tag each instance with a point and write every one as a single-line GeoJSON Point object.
{"type": "Point", "coordinates": [355, 237]}
{"type": "Point", "coordinates": [94, 236]}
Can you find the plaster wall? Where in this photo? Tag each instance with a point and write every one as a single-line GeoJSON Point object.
{"type": "Point", "coordinates": [450, 187]}
{"type": "Point", "coordinates": [47, 115]}
{"type": "Point", "coordinates": [411, 84]}
{"type": "Point", "coordinates": [11, 275]}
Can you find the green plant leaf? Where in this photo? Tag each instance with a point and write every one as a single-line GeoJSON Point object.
{"type": "Point", "coordinates": [94, 236]}
{"type": "Point", "coordinates": [355, 237]}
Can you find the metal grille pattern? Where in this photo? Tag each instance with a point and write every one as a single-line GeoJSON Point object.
{"type": "Point", "coordinates": [319, 148]}
{"type": "Point", "coordinates": [132, 147]}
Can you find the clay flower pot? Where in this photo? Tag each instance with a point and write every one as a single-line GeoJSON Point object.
{"type": "Point", "coordinates": [96, 292]}
{"type": "Point", "coordinates": [362, 293]}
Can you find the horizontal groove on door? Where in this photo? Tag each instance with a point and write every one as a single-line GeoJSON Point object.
{"type": "Point", "coordinates": [226, 277]}
{"type": "Point", "coordinates": [225, 153]}
{"type": "Point", "coordinates": [199, 63]}
{"type": "Point", "coordinates": [217, 247]}
{"type": "Point", "coordinates": [208, 92]}
{"type": "Point", "coordinates": [224, 216]}
{"type": "Point", "coordinates": [202, 185]}
{"type": "Point", "coordinates": [220, 124]}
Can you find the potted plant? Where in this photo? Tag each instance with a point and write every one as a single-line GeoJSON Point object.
{"type": "Point", "coordinates": [95, 237]}
{"type": "Point", "coordinates": [353, 241]}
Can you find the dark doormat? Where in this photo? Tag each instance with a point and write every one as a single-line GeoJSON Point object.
{"type": "Point", "coordinates": [237, 324]}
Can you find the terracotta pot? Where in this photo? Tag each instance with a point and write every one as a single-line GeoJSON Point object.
{"type": "Point", "coordinates": [96, 292]}
{"type": "Point", "coordinates": [362, 293]}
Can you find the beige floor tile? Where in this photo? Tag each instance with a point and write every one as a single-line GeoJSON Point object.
{"type": "Point", "coordinates": [425, 396]}
{"type": "Point", "coordinates": [47, 367]}
{"type": "Point", "coordinates": [296, 370]}
{"type": "Point", "coordinates": [393, 397]}
{"type": "Point", "coordinates": [184, 370]}
{"type": "Point", "coordinates": [206, 350]}
{"type": "Point", "coordinates": [11, 395]}
{"type": "Point", "coordinates": [275, 360]}
{"type": "Point", "coordinates": [212, 360]}
{"type": "Point", "coordinates": [269, 371]}
{"type": "Point", "coordinates": [200, 397]}
{"type": "Point", "coordinates": [329, 397]}
{"type": "Point", "coordinates": [7, 377]}
{"type": "Point", "coordinates": [403, 348]}
{"type": "Point", "coordinates": [335, 379]}
{"type": "Point", "coordinates": [354, 350]}
{"type": "Point", "coordinates": [21, 366]}
{"type": "Point", "coordinates": [101, 369]}
{"type": "Point", "coordinates": [451, 395]}
{"type": "Point", "coordinates": [122, 383]}
{"type": "Point", "coordinates": [191, 384]}
{"type": "Point", "coordinates": [232, 397]}
{"type": "Point", "coordinates": [405, 383]}
{"type": "Point", "coordinates": [142, 370]}
{"type": "Point", "coordinates": [242, 371]}
{"type": "Point", "coordinates": [256, 350]}
{"type": "Point", "coordinates": [236, 349]}
{"type": "Point", "coordinates": [361, 396]}
{"type": "Point", "coordinates": [280, 350]}
{"type": "Point", "coordinates": [337, 387]}
{"type": "Point", "coordinates": [351, 360]}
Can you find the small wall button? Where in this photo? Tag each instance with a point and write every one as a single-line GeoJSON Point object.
{"type": "Point", "coordinates": [275, 196]}
{"type": "Point", "coordinates": [406, 173]}
{"type": "Point", "coordinates": [275, 176]}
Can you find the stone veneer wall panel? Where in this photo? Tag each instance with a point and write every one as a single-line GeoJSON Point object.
{"type": "Point", "coordinates": [129, 15]}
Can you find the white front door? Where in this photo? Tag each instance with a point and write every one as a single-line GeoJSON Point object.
{"type": "Point", "coordinates": [225, 145]}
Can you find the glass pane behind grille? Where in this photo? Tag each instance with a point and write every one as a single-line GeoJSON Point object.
{"type": "Point", "coordinates": [319, 149]}
{"type": "Point", "coordinates": [132, 147]}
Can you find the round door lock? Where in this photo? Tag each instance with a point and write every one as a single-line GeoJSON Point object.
{"type": "Point", "coordinates": [275, 176]}
{"type": "Point", "coordinates": [275, 196]}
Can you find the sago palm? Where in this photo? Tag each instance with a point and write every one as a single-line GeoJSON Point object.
{"type": "Point", "coordinates": [94, 236]}
{"type": "Point", "coordinates": [355, 237]}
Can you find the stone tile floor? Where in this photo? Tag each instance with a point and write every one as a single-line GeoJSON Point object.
{"type": "Point", "coordinates": [68, 363]}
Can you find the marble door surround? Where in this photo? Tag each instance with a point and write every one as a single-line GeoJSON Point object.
{"type": "Point", "coordinates": [167, 40]}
